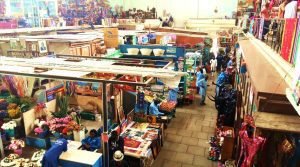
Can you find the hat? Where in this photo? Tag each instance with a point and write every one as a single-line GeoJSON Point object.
{"type": "Point", "coordinates": [118, 156]}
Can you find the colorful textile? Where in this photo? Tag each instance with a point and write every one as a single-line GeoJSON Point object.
{"type": "Point", "coordinates": [296, 50]}
{"type": "Point", "coordinates": [288, 38]}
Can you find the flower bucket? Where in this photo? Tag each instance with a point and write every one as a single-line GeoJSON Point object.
{"type": "Point", "coordinates": [78, 135]}
{"type": "Point", "coordinates": [43, 134]}
{"type": "Point", "coordinates": [18, 151]}
{"type": "Point", "coordinates": [3, 137]}
{"type": "Point", "coordinates": [56, 135]}
{"type": "Point", "coordinates": [10, 132]}
{"type": "Point", "coordinates": [18, 121]}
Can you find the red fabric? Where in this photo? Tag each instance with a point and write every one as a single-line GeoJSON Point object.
{"type": "Point", "coordinates": [131, 143]}
{"type": "Point", "coordinates": [288, 38]}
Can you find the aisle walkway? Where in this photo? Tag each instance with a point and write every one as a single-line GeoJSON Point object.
{"type": "Point", "coordinates": [186, 140]}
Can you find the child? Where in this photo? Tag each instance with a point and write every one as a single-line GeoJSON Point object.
{"type": "Point", "coordinates": [203, 88]}
{"type": "Point", "coordinates": [213, 65]}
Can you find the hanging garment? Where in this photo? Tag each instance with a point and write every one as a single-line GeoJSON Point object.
{"type": "Point", "coordinates": [250, 146]}
{"type": "Point", "coordinates": [288, 38]}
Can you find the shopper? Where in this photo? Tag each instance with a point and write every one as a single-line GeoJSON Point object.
{"type": "Point", "coordinates": [118, 160]}
{"type": "Point", "coordinates": [213, 65]}
{"type": "Point", "coordinates": [154, 108]}
{"type": "Point", "coordinates": [221, 80]}
{"type": "Point", "coordinates": [51, 157]}
{"type": "Point", "coordinates": [219, 61]}
{"type": "Point", "coordinates": [290, 10]}
{"type": "Point", "coordinates": [92, 142]}
{"type": "Point", "coordinates": [199, 76]}
{"type": "Point", "coordinates": [265, 14]}
{"type": "Point", "coordinates": [282, 9]}
{"type": "Point", "coordinates": [231, 62]}
{"type": "Point", "coordinates": [203, 88]}
{"type": "Point", "coordinates": [115, 143]}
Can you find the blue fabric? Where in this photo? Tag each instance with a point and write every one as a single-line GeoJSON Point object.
{"type": "Point", "coordinates": [94, 142]}
{"type": "Point", "coordinates": [173, 94]}
{"type": "Point", "coordinates": [51, 157]}
{"type": "Point", "coordinates": [221, 78]}
{"type": "Point", "coordinates": [199, 77]}
{"type": "Point", "coordinates": [153, 110]}
{"type": "Point", "coordinates": [243, 69]}
{"type": "Point", "coordinates": [203, 87]}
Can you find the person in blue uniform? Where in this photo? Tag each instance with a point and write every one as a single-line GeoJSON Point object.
{"type": "Point", "coordinates": [203, 88]}
{"type": "Point", "coordinates": [154, 108]}
{"type": "Point", "coordinates": [199, 75]}
{"type": "Point", "coordinates": [221, 80]}
{"type": "Point", "coordinates": [92, 142]}
{"type": "Point", "coordinates": [51, 157]}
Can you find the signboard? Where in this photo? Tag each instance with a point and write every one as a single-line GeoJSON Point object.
{"type": "Point", "coordinates": [111, 37]}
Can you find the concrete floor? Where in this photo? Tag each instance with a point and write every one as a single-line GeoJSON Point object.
{"type": "Point", "coordinates": [186, 140]}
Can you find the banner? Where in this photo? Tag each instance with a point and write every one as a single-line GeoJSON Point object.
{"type": "Point", "coordinates": [288, 38]}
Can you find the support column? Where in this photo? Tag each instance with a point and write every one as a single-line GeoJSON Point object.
{"type": "Point", "coordinates": [105, 126]}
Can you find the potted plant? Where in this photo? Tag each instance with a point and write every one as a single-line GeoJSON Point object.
{"type": "Point", "coordinates": [77, 127]}
{"type": "Point", "coordinates": [16, 145]}
{"type": "Point", "coordinates": [62, 103]}
{"type": "Point", "coordinates": [14, 113]}
{"type": "Point", "coordinates": [9, 128]}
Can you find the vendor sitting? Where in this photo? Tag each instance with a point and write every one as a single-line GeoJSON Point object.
{"type": "Point", "coordinates": [92, 142]}
{"type": "Point", "coordinates": [154, 108]}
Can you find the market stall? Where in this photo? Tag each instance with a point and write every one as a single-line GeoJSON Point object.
{"type": "Point", "coordinates": [72, 72]}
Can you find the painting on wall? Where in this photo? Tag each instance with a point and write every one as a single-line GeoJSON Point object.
{"type": "Point", "coordinates": [42, 46]}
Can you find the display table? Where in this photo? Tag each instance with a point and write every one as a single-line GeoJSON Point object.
{"type": "Point", "coordinates": [80, 158]}
{"type": "Point", "coordinates": [142, 142]}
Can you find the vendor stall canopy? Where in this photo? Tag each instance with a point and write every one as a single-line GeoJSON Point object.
{"type": "Point", "coordinates": [79, 69]}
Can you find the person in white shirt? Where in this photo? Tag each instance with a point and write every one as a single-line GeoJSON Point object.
{"type": "Point", "coordinates": [213, 65]}
{"type": "Point", "coordinates": [290, 10]}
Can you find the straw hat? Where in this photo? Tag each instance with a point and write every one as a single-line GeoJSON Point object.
{"type": "Point", "coordinates": [118, 156]}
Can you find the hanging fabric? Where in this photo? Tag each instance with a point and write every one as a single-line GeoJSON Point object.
{"type": "Point", "coordinates": [288, 38]}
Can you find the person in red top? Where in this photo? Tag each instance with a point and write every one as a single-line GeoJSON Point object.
{"type": "Point", "coordinates": [265, 14]}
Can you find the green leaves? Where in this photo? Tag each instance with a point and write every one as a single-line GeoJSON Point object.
{"type": "Point", "coordinates": [62, 103]}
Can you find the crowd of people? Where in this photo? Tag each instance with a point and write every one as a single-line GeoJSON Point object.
{"type": "Point", "coordinates": [224, 65]}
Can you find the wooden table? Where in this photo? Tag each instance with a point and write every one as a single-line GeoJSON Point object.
{"type": "Point", "coordinates": [80, 158]}
{"type": "Point", "coordinates": [277, 122]}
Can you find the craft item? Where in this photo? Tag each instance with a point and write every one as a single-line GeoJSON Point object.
{"type": "Point", "coordinates": [168, 105]}
{"type": "Point", "coordinates": [131, 143]}
{"type": "Point", "coordinates": [288, 38]}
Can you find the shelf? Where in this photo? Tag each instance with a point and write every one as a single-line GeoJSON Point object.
{"type": "Point", "coordinates": [277, 122]}
{"type": "Point", "coordinates": [291, 98]}
{"type": "Point", "coordinates": [147, 57]}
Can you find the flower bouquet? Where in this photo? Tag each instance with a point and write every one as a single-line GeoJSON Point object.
{"type": "Point", "coordinates": [40, 111]}
{"type": "Point", "coordinates": [41, 128]}
{"type": "Point", "coordinates": [16, 145]}
{"type": "Point", "coordinates": [9, 160]}
{"type": "Point", "coordinates": [14, 112]}
{"type": "Point", "coordinates": [9, 128]}
{"type": "Point", "coordinates": [76, 126]}
{"type": "Point", "coordinates": [57, 125]}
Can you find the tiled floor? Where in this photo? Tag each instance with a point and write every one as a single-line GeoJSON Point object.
{"type": "Point", "coordinates": [186, 141]}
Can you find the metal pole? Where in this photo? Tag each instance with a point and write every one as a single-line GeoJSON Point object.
{"type": "Point", "coordinates": [105, 127]}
